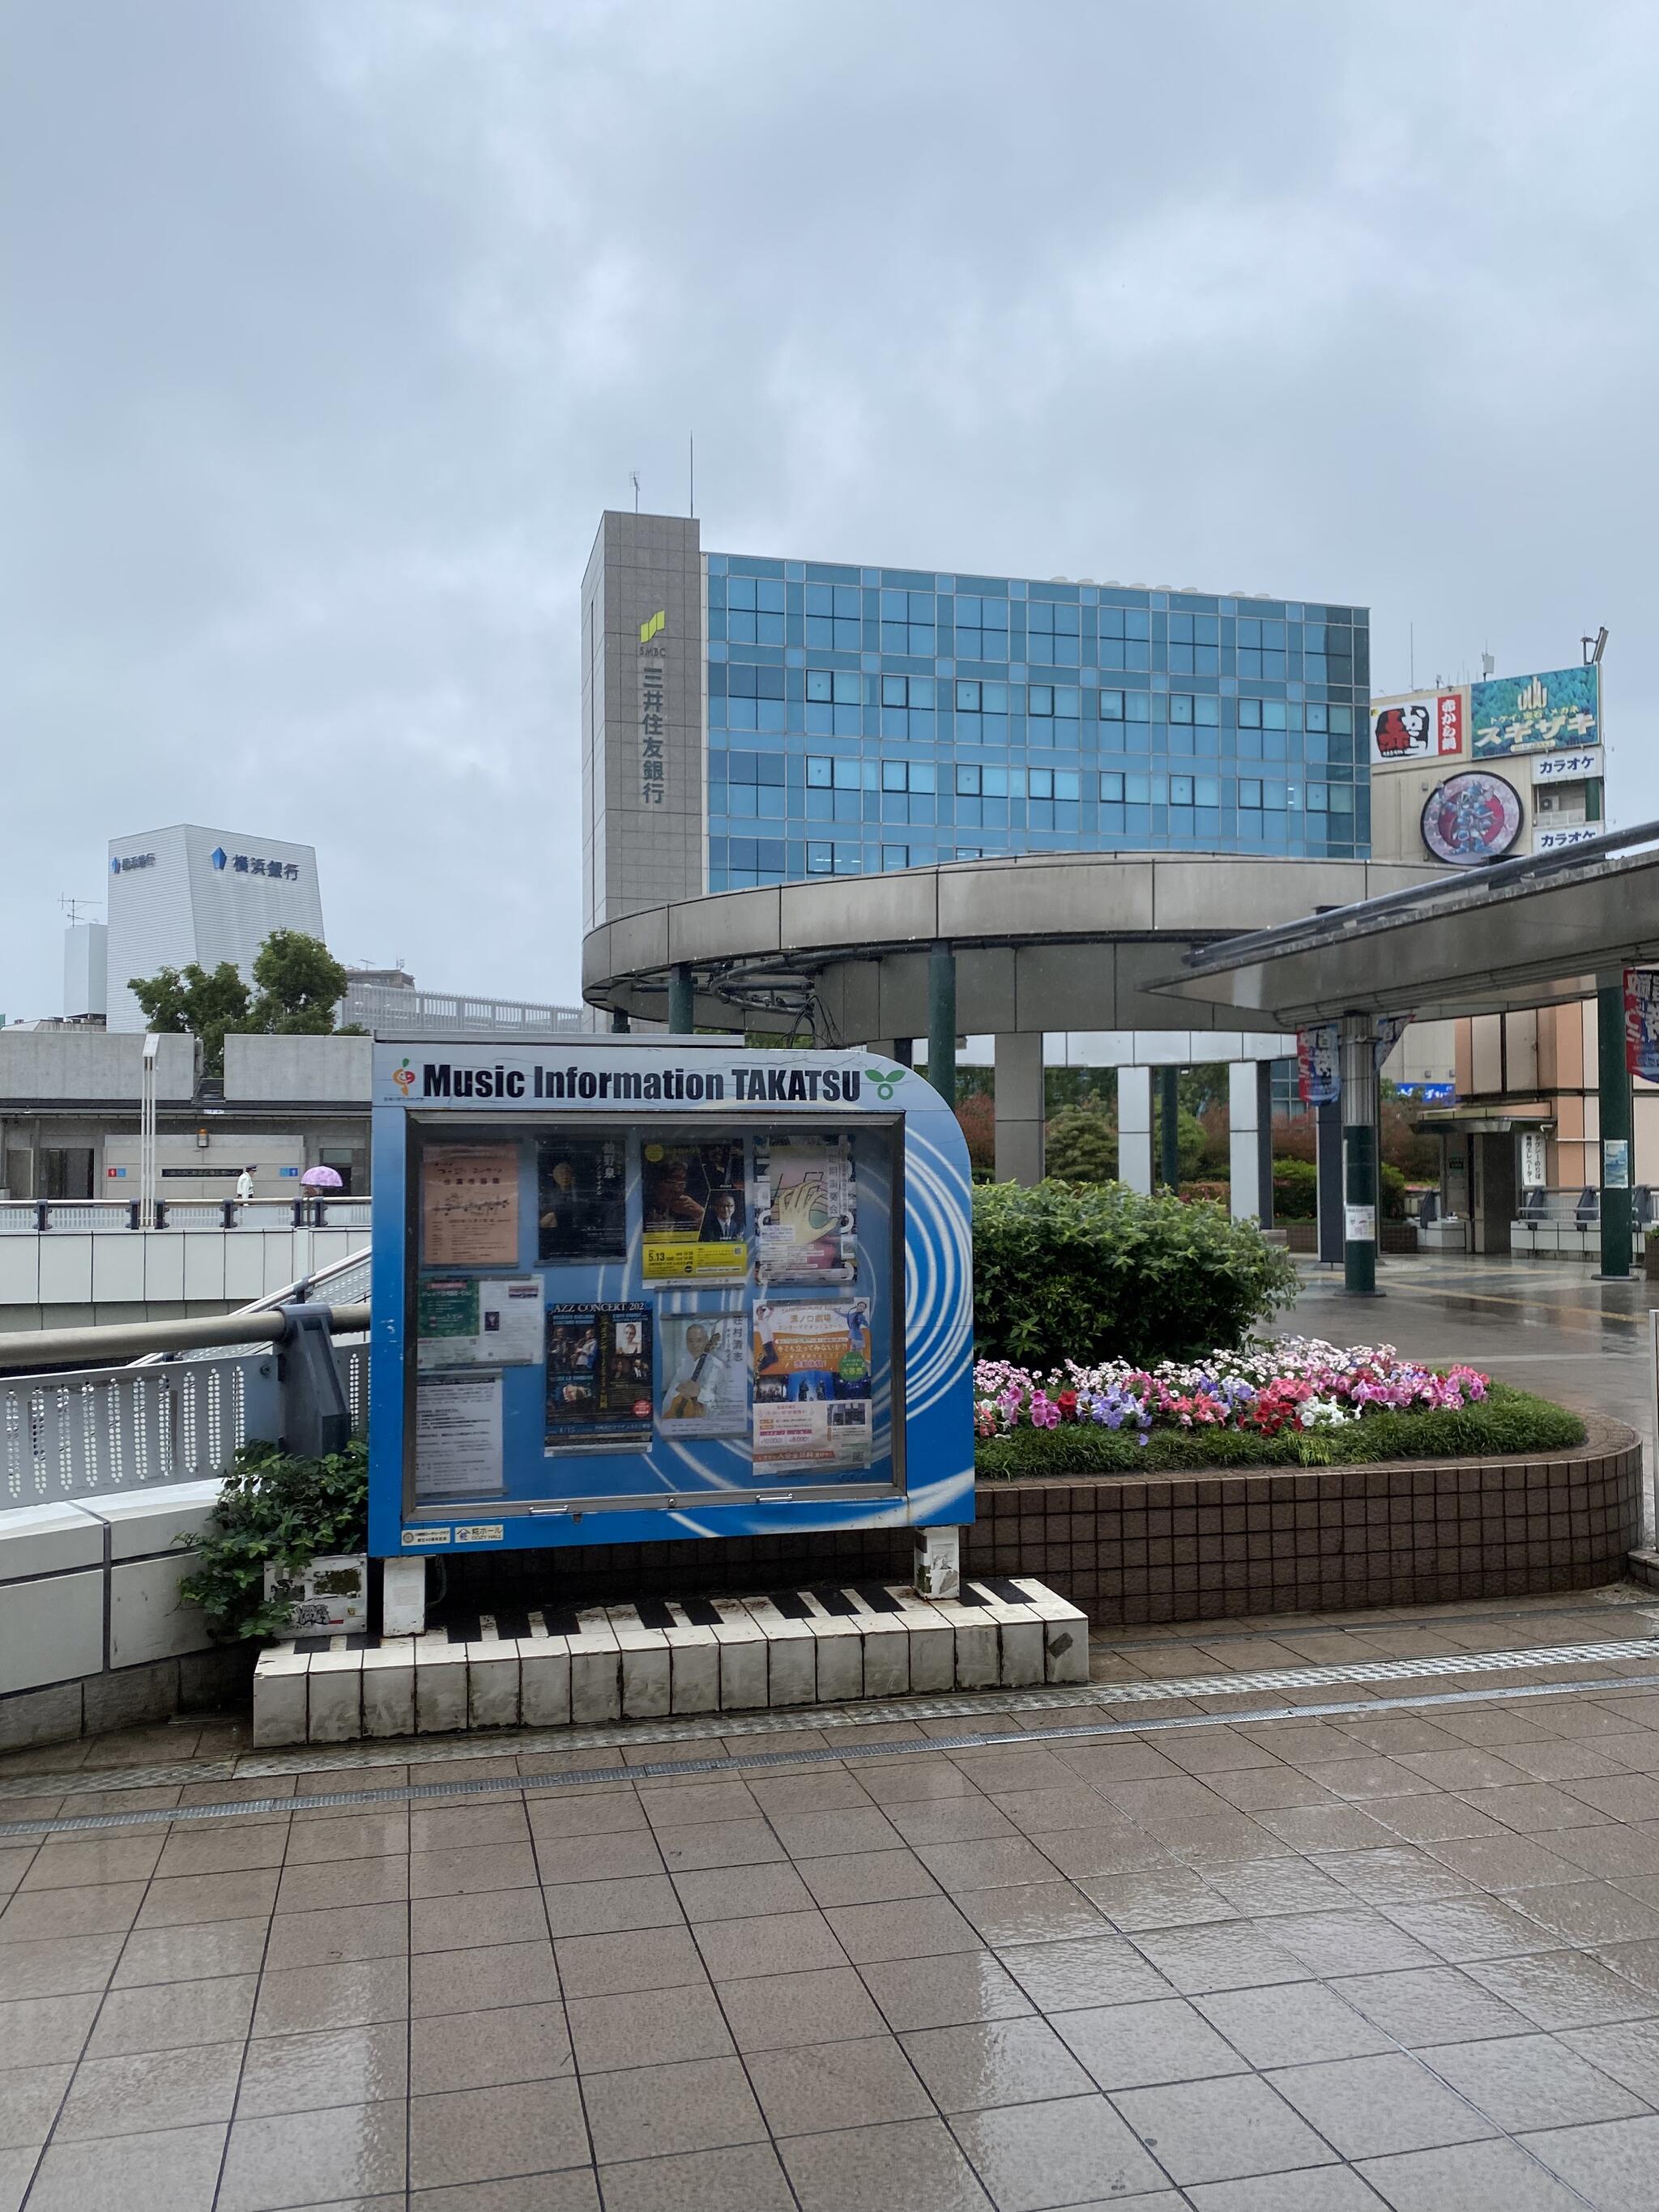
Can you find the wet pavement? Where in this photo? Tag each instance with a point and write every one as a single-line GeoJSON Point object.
{"type": "Point", "coordinates": [1540, 1325]}
{"type": "Point", "coordinates": [1354, 1928]}
{"type": "Point", "coordinates": [1317, 1913]}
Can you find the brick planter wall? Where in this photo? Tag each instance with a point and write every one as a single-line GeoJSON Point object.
{"type": "Point", "coordinates": [1188, 1546]}
{"type": "Point", "coordinates": [1406, 1532]}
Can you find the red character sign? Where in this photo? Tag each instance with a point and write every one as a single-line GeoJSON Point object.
{"type": "Point", "coordinates": [1419, 729]}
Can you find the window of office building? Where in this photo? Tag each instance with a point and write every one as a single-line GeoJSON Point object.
{"type": "Point", "coordinates": [981, 711]}
{"type": "Point", "coordinates": [907, 622]}
{"type": "Point", "coordinates": [981, 628]}
{"type": "Point", "coordinates": [833, 618]}
{"type": "Point", "coordinates": [908, 708]}
{"type": "Point", "coordinates": [1261, 648]}
{"type": "Point", "coordinates": [746, 697]}
{"type": "Point", "coordinates": [1053, 712]}
{"type": "Point", "coordinates": [754, 610]}
{"type": "Point", "coordinates": [1053, 633]}
{"type": "Point", "coordinates": [1125, 638]}
{"type": "Point", "coordinates": [834, 702]}
{"type": "Point", "coordinates": [1194, 645]}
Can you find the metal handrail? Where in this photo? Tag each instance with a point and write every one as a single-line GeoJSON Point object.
{"type": "Point", "coordinates": [100, 1347]}
{"type": "Point", "coordinates": [36, 1216]}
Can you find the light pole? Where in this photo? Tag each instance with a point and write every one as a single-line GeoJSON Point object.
{"type": "Point", "coordinates": [147, 1134]}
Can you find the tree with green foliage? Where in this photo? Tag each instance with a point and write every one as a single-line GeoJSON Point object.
{"type": "Point", "coordinates": [300, 982]}
{"type": "Point", "coordinates": [1191, 1141]}
{"type": "Point", "coordinates": [1082, 1146]}
{"type": "Point", "coordinates": [189, 1002]}
{"type": "Point", "coordinates": [299, 985]}
{"type": "Point", "coordinates": [1205, 1085]}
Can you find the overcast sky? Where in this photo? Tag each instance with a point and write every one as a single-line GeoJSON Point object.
{"type": "Point", "coordinates": [334, 327]}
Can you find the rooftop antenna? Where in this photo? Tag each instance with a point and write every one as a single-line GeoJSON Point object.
{"type": "Point", "coordinates": [691, 476]}
{"type": "Point", "coordinates": [73, 907]}
{"type": "Point", "coordinates": [634, 479]}
{"type": "Point", "coordinates": [1488, 663]}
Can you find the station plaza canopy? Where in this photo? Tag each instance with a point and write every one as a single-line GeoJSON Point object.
{"type": "Point", "coordinates": [1537, 931]}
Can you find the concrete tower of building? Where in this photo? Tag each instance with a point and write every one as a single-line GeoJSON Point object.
{"type": "Point", "coordinates": [187, 893]}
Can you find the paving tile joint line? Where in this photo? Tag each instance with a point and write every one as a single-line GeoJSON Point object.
{"type": "Point", "coordinates": [808, 1755]}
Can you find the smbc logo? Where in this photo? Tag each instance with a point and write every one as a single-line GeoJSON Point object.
{"type": "Point", "coordinates": [649, 629]}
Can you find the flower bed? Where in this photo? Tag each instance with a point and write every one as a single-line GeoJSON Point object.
{"type": "Point", "coordinates": [1298, 1402]}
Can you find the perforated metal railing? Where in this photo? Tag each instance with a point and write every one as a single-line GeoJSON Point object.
{"type": "Point", "coordinates": [98, 1430]}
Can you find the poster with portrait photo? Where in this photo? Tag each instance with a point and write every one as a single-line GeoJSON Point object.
{"type": "Point", "coordinates": [598, 1376]}
{"type": "Point", "coordinates": [813, 1378]}
{"type": "Point", "coordinates": [581, 1198]}
{"type": "Point", "coordinates": [695, 1211]}
{"type": "Point", "coordinates": [704, 1389]}
{"type": "Point", "coordinates": [805, 1210]}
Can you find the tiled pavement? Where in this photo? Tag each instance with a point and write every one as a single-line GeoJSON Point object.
{"type": "Point", "coordinates": [1406, 1959]}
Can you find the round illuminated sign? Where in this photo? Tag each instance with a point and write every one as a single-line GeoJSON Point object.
{"type": "Point", "coordinates": [1471, 818]}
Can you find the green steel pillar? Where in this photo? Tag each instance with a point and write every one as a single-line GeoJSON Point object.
{"type": "Point", "coordinates": [942, 1021]}
{"type": "Point", "coordinates": [680, 1000]}
{"type": "Point", "coordinates": [1359, 1148]}
{"type": "Point", "coordinates": [1614, 1078]}
{"type": "Point", "coordinates": [1168, 1128]}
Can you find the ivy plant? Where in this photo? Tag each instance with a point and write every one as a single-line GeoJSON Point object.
{"type": "Point", "coordinates": [275, 1509]}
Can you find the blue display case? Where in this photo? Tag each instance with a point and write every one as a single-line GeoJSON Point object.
{"type": "Point", "coordinates": [631, 1290]}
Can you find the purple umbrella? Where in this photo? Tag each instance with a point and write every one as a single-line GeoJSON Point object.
{"type": "Point", "coordinates": [320, 1179]}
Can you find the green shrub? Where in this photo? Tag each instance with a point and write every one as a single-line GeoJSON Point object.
{"type": "Point", "coordinates": [1093, 1271]}
{"type": "Point", "coordinates": [1392, 1192]}
{"type": "Point", "coordinates": [273, 1508]}
{"type": "Point", "coordinates": [1081, 1145]}
{"type": "Point", "coordinates": [1505, 1421]}
{"type": "Point", "coordinates": [1296, 1190]}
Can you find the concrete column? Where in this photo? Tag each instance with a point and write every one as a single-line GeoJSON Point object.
{"type": "Point", "coordinates": [942, 1021]}
{"type": "Point", "coordinates": [1250, 1149]}
{"type": "Point", "coordinates": [1135, 1127]}
{"type": "Point", "coordinates": [1019, 1107]}
{"type": "Point", "coordinates": [619, 1025]}
{"type": "Point", "coordinates": [1360, 1148]}
{"type": "Point", "coordinates": [681, 999]}
{"type": "Point", "coordinates": [1612, 1079]}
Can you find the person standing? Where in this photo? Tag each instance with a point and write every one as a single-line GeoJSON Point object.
{"type": "Point", "coordinates": [245, 1187]}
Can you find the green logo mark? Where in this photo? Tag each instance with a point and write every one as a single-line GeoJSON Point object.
{"type": "Point", "coordinates": [886, 1080]}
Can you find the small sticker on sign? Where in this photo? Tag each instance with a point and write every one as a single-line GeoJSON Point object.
{"type": "Point", "coordinates": [1360, 1224]}
{"type": "Point", "coordinates": [480, 1532]}
{"type": "Point", "coordinates": [414, 1538]}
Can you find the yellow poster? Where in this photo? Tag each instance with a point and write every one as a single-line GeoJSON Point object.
{"type": "Point", "coordinates": [695, 1212]}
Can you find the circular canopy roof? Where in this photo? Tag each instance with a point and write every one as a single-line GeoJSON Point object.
{"type": "Point", "coordinates": [1046, 941]}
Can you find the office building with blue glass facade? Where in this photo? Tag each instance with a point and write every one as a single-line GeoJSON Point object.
{"type": "Point", "coordinates": [791, 719]}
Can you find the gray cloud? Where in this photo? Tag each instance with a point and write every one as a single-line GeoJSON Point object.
{"type": "Point", "coordinates": [334, 327]}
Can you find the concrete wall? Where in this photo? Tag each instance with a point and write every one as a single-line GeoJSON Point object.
{"type": "Point", "coordinates": [69, 1279]}
{"type": "Point", "coordinates": [41, 1065]}
{"type": "Point", "coordinates": [330, 1070]}
{"type": "Point", "coordinates": [634, 853]}
{"type": "Point", "coordinates": [91, 1634]}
